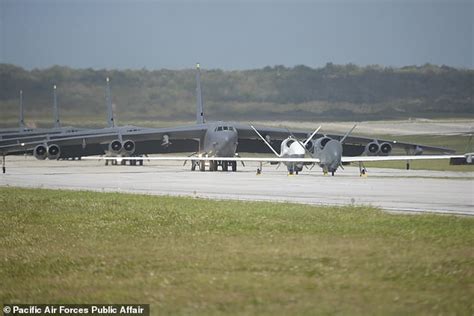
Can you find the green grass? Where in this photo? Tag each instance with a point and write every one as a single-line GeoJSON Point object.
{"type": "Point", "coordinates": [194, 256]}
{"type": "Point", "coordinates": [441, 165]}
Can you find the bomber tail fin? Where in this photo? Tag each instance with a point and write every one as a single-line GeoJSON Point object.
{"type": "Point", "coordinates": [57, 123]}
{"type": "Point", "coordinates": [108, 100]}
{"type": "Point", "coordinates": [265, 141]}
{"type": "Point", "coordinates": [22, 114]}
{"type": "Point", "coordinates": [347, 134]}
{"type": "Point", "coordinates": [312, 135]}
{"type": "Point", "coordinates": [199, 106]}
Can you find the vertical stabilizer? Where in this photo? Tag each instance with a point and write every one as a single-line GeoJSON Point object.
{"type": "Point", "coordinates": [347, 134]}
{"type": "Point", "coordinates": [108, 100]}
{"type": "Point", "coordinates": [199, 106]}
{"type": "Point", "coordinates": [57, 123]}
{"type": "Point", "coordinates": [22, 118]}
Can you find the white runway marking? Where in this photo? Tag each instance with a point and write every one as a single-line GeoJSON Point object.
{"type": "Point", "coordinates": [390, 189]}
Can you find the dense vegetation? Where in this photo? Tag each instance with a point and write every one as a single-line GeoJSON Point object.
{"type": "Point", "coordinates": [202, 257]}
{"type": "Point", "coordinates": [299, 93]}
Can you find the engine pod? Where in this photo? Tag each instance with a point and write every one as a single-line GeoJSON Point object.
{"type": "Point", "coordinates": [40, 152]}
{"type": "Point", "coordinates": [54, 152]}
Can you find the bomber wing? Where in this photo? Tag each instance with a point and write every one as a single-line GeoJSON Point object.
{"type": "Point", "coordinates": [282, 160]}
{"type": "Point", "coordinates": [85, 140]}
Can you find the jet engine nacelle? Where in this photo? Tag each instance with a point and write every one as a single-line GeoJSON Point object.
{"type": "Point", "coordinates": [40, 152]}
{"type": "Point", "coordinates": [372, 148]}
{"type": "Point", "coordinates": [129, 146]}
{"type": "Point", "coordinates": [385, 149]}
{"type": "Point", "coordinates": [115, 146]}
{"type": "Point", "coordinates": [53, 152]}
{"type": "Point", "coordinates": [320, 143]}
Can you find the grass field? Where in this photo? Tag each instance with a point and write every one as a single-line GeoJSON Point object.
{"type": "Point", "coordinates": [193, 256]}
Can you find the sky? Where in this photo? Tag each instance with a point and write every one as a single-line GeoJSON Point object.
{"type": "Point", "coordinates": [231, 34]}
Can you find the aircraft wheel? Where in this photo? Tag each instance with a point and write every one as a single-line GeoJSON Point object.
{"type": "Point", "coordinates": [202, 165]}
{"type": "Point", "coordinates": [225, 166]}
{"type": "Point", "coordinates": [193, 165]}
{"type": "Point", "coordinates": [140, 162]}
{"type": "Point", "coordinates": [296, 172]}
{"type": "Point", "coordinates": [234, 166]}
{"type": "Point", "coordinates": [332, 173]}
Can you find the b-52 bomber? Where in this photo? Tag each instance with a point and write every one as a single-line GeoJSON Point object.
{"type": "Point", "coordinates": [209, 141]}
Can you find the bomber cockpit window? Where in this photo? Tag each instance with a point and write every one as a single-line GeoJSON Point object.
{"type": "Point", "coordinates": [231, 128]}
{"type": "Point", "coordinates": [219, 128]}
{"type": "Point", "coordinates": [225, 128]}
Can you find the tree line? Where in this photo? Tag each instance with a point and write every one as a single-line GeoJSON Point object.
{"type": "Point", "coordinates": [277, 92]}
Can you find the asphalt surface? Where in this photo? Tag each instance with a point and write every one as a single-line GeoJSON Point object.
{"type": "Point", "coordinates": [389, 189]}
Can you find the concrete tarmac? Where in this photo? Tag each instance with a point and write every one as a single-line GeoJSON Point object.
{"type": "Point", "coordinates": [389, 189]}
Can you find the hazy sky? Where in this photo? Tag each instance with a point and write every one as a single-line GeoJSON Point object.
{"type": "Point", "coordinates": [232, 34]}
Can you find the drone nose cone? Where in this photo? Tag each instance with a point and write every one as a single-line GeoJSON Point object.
{"type": "Point", "coordinates": [296, 149]}
{"type": "Point", "coordinates": [333, 154]}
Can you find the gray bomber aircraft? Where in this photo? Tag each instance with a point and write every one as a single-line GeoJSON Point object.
{"type": "Point", "coordinates": [209, 141]}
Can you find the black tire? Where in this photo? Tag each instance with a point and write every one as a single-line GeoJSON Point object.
{"type": "Point", "coordinates": [193, 165]}
{"type": "Point", "coordinates": [234, 166]}
{"type": "Point", "coordinates": [225, 166]}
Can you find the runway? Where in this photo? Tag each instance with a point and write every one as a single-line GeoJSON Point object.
{"type": "Point", "coordinates": [389, 189]}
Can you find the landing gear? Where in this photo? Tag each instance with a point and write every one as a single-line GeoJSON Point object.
{"type": "Point", "coordinates": [123, 162]}
{"type": "Point", "coordinates": [332, 173]}
{"type": "Point", "coordinates": [362, 170]}
{"type": "Point", "coordinates": [213, 165]}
